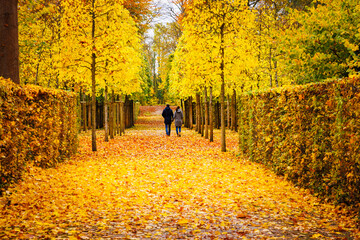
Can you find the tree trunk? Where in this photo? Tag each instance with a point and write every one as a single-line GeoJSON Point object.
{"type": "Point", "coordinates": [182, 104]}
{"type": "Point", "coordinates": [206, 114]}
{"type": "Point", "coordinates": [84, 112]}
{"type": "Point", "coordinates": [228, 111]}
{"type": "Point", "coordinates": [222, 94]}
{"type": "Point", "coordinates": [201, 115]}
{"type": "Point", "coordinates": [106, 115]}
{"type": "Point", "coordinates": [211, 116]}
{"type": "Point", "coordinates": [118, 116]}
{"type": "Point", "coordinates": [113, 107]}
{"type": "Point", "coordinates": [122, 116]}
{"type": "Point", "coordinates": [111, 116]}
{"type": "Point", "coordinates": [233, 112]}
{"type": "Point", "coordinates": [9, 40]}
{"type": "Point", "coordinates": [198, 114]}
{"type": "Point", "coordinates": [190, 113]}
{"type": "Point", "coordinates": [93, 83]}
{"type": "Point", "coordinates": [89, 108]}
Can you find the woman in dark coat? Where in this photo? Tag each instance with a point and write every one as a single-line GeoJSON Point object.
{"type": "Point", "coordinates": [178, 118]}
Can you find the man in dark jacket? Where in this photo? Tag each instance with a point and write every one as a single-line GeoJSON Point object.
{"type": "Point", "coordinates": [168, 116]}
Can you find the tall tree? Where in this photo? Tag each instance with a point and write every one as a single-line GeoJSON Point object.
{"type": "Point", "coordinates": [9, 42]}
{"type": "Point", "coordinates": [217, 23]}
{"type": "Point", "coordinates": [98, 51]}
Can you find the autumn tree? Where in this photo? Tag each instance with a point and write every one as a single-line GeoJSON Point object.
{"type": "Point", "coordinates": [143, 12]}
{"type": "Point", "coordinates": [9, 44]}
{"type": "Point", "coordinates": [323, 42]}
{"type": "Point", "coordinates": [40, 38]}
{"type": "Point", "coordinates": [216, 23]}
{"type": "Point", "coordinates": [100, 49]}
{"type": "Point", "coordinates": [164, 44]}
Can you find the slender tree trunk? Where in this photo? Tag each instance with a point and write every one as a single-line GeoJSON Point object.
{"type": "Point", "coordinates": [122, 115]}
{"type": "Point", "coordinates": [93, 103]}
{"type": "Point", "coordinates": [222, 94]}
{"type": "Point", "coordinates": [198, 113]}
{"type": "Point", "coordinates": [9, 40]}
{"type": "Point", "coordinates": [211, 115]}
{"type": "Point", "coordinates": [206, 114]}
{"type": "Point", "coordinates": [84, 111]}
{"type": "Point", "coordinates": [118, 116]}
{"type": "Point", "coordinates": [111, 115]}
{"type": "Point", "coordinates": [191, 113]}
{"type": "Point", "coordinates": [89, 108]}
{"type": "Point", "coordinates": [228, 111]}
{"type": "Point", "coordinates": [233, 112]}
{"type": "Point", "coordinates": [93, 82]}
{"type": "Point", "coordinates": [106, 115]}
{"type": "Point", "coordinates": [113, 118]}
{"type": "Point", "coordinates": [201, 115]}
{"type": "Point", "coordinates": [182, 103]}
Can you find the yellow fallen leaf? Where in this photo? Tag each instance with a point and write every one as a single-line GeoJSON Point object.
{"type": "Point", "coordinates": [317, 235]}
{"type": "Point", "coordinates": [183, 221]}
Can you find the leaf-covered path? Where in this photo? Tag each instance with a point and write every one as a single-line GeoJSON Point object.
{"type": "Point", "coordinates": [145, 185]}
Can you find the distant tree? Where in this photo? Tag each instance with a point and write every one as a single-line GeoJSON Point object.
{"type": "Point", "coordinates": [9, 43]}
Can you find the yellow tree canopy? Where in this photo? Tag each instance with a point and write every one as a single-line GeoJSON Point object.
{"type": "Point", "coordinates": [208, 27]}
{"type": "Point", "coordinates": [116, 45]}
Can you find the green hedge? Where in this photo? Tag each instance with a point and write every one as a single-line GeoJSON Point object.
{"type": "Point", "coordinates": [310, 134]}
{"type": "Point", "coordinates": [37, 127]}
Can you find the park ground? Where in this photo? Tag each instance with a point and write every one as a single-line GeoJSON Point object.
{"type": "Point", "coordinates": [144, 185]}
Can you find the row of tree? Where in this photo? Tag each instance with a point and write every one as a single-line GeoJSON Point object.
{"type": "Point", "coordinates": [229, 47]}
{"type": "Point", "coordinates": [88, 46]}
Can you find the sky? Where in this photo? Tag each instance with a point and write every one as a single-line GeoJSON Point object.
{"type": "Point", "coordinates": [164, 15]}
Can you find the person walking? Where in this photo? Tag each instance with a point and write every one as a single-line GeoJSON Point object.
{"type": "Point", "coordinates": [168, 117]}
{"type": "Point", "coordinates": [178, 118]}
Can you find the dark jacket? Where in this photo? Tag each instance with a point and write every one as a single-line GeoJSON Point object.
{"type": "Point", "coordinates": [167, 115]}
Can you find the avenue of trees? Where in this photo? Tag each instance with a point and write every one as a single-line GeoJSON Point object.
{"type": "Point", "coordinates": [228, 48]}
{"type": "Point", "coordinates": [211, 53]}
{"type": "Point", "coordinates": [92, 47]}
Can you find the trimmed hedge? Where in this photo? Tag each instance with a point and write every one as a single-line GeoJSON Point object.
{"type": "Point", "coordinates": [37, 127]}
{"type": "Point", "coordinates": [310, 134]}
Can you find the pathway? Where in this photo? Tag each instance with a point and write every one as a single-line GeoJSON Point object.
{"type": "Point", "coordinates": [145, 185]}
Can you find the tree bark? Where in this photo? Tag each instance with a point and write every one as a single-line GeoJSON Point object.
{"type": "Point", "coordinates": [9, 40]}
{"type": "Point", "coordinates": [198, 115]}
{"type": "Point", "coordinates": [190, 113]}
{"type": "Point", "coordinates": [201, 115]}
{"type": "Point", "coordinates": [211, 116]}
{"type": "Point", "coordinates": [84, 111]}
{"type": "Point", "coordinates": [182, 104]}
{"type": "Point", "coordinates": [106, 115]}
{"type": "Point", "coordinates": [222, 94]}
{"type": "Point", "coordinates": [122, 116]}
{"type": "Point", "coordinates": [228, 111]}
{"type": "Point", "coordinates": [111, 117]}
{"type": "Point", "coordinates": [233, 112]}
{"type": "Point", "coordinates": [93, 82]}
{"type": "Point", "coordinates": [113, 107]}
{"type": "Point", "coordinates": [118, 116]}
{"type": "Point", "coordinates": [206, 114]}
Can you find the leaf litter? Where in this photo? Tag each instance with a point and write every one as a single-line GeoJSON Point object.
{"type": "Point", "coordinates": [145, 185]}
